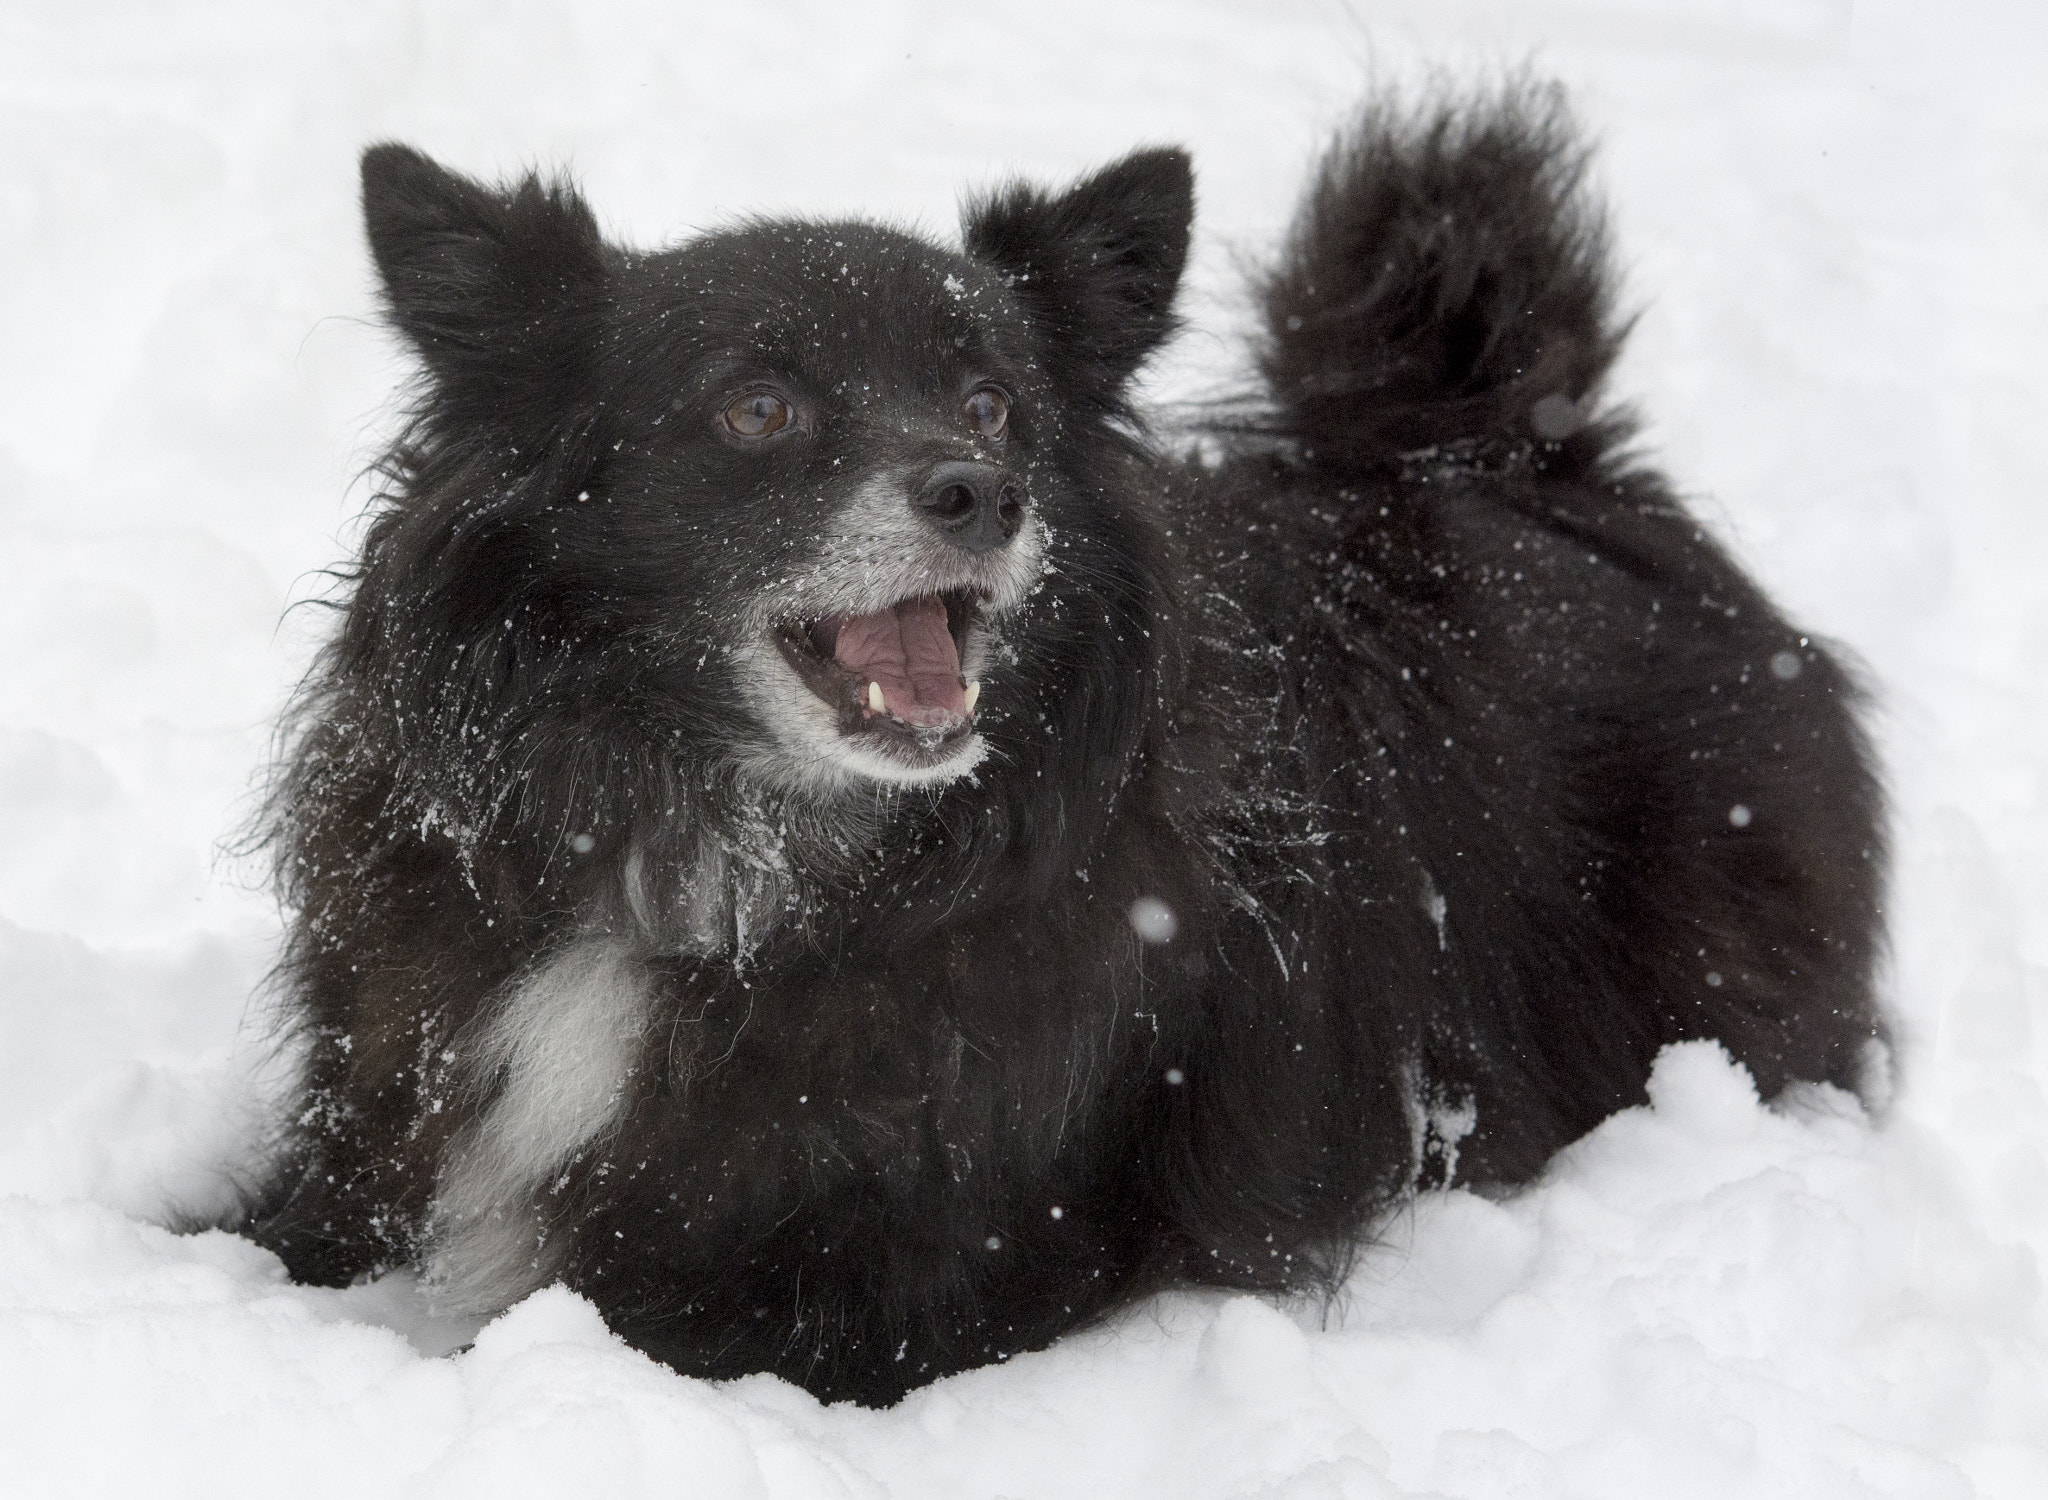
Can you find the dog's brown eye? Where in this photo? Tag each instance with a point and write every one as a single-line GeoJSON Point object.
{"type": "Point", "coordinates": [989, 410]}
{"type": "Point", "coordinates": [757, 414]}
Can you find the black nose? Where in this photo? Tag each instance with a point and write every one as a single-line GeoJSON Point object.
{"type": "Point", "coordinates": [976, 507]}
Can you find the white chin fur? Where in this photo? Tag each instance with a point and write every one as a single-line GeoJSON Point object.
{"type": "Point", "coordinates": [861, 760]}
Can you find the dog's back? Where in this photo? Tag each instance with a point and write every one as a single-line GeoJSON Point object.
{"type": "Point", "coordinates": [1603, 796]}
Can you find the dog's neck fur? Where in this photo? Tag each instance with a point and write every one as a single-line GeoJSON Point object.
{"type": "Point", "coordinates": [746, 866]}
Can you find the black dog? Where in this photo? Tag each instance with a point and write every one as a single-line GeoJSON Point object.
{"type": "Point", "coordinates": [814, 833]}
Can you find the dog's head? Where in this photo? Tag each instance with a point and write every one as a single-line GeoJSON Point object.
{"type": "Point", "coordinates": [790, 488]}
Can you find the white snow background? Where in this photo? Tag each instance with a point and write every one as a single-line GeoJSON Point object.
{"type": "Point", "coordinates": [1835, 222]}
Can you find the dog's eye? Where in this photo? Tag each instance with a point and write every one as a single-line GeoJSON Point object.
{"type": "Point", "coordinates": [757, 414]}
{"type": "Point", "coordinates": [988, 409]}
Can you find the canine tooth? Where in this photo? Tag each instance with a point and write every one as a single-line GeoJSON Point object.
{"type": "Point", "coordinates": [875, 699]}
{"type": "Point", "coordinates": [973, 692]}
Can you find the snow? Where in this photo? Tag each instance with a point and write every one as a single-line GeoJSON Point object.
{"type": "Point", "coordinates": [1833, 219]}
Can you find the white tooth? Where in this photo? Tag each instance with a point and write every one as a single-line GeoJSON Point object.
{"type": "Point", "coordinates": [973, 692]}
{"type": "Point", "coordinates": [875, 699]}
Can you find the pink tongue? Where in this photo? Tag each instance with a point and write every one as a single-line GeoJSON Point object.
{"type": "Point", "coordinates": [910, 652]}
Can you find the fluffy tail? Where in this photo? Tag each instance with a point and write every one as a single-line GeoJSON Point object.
{"type": "Point", "coordinates": [1444, 284]}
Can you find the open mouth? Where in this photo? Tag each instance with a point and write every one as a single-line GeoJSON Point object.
{"type": "Point", "coordinates": [893, 677]}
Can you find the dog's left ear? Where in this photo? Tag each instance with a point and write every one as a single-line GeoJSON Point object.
{"type": "Point", "coordinates": [1095, 266]}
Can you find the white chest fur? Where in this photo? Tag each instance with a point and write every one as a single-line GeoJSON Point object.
{"type": "Point", "coordinates": [563, 1045]}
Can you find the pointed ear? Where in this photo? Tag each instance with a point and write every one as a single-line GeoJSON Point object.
{"type": "Point", "coordinates": [1096, 266]}
{"type": "Point", "coordinates": [492, 287]}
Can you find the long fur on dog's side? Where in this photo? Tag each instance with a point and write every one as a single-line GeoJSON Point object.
{"type": "Point", "coordinates": [1362, 809]}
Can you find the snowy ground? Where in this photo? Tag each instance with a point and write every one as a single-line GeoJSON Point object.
{"type": "Point", "coordinates": [1835, 219]}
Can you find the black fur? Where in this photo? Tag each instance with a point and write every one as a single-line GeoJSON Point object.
{"type": "Point", "coordinates": [1473, 771]}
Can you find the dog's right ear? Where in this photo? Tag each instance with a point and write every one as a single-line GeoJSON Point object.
{"type": "Point", "coordinates": [485, 283]}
